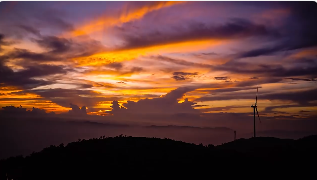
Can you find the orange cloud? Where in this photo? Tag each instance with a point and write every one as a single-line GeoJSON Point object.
{"type": "Point", "coordinates": [10, 96]}
{"type": "Point", "coordinates": [127, 15]}
{"type": "Point", "coordinates": [130, 54]}
{"type": "Point", "coordinates": [310, 52]}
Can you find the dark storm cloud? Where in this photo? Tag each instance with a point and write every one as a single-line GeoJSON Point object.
{"type": "Point", "coordinates": [1, 38]}
{"type": "Point", "coordinates": [65, 96]}
{"type": "Point", "coordinates": [297, 71]}
{"type": "Point", "coordinates": [178, 76]}
{"type": "Point", "coordinates": [303, 111]}
{"type": "Point", "coordinates": [30, 29]}
{"type": "Point", "coordinates": [136, 69]}
{"type": "Point", "coordinates": [54, 44]}
{"type": "Point", "coordinates": [31, 56]}
{"type": "Point", "coordinates": [302, 79]}
{"type": "Point", "coordinates": [223, 109]}
{"type": "Point", "coordinates": [221, 78]}
{"type": "Point", "coordinates": [184, 73]}
{"type": "Point", "coordinates": [24, 78]}
{"type": "Point", "coordinates": [234, 28]}
{"type": "Point", "coordinates": [3, 42]}
{"type": "Point", "coordinates": [234, 66]}
{"type": "Point", "coordinates": [299, 31]}
{"type": "Point", "coordinates": [267, 70]}
{"type": "Point", "coordinates": [270, 109]}
{"type": "Point", "coordinates": [56, 49]}
{"type": "Point", "coordinates": [254, 78]}
{"type": "Point", "coordinates": [41, 70]}
{"type": "Point", "coordinates": [233, 89]}
{"type": "Point", "coordinates": [302, 97]}
{"type": "Point", "coordinates": [115, 65]}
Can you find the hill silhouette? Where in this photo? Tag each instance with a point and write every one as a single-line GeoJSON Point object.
{"type": "Point", "coordinates": [142, 157]}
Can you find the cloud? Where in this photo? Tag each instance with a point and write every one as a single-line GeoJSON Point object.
{"type": "Point", "coordinates": [276, 70]}
{"type": "Point", "coordinates": [296, 71]}
{"type": "Point", "coordinates": [77, 111]}
{"type": "Point", "coordinates": [56, 49]}
{"type": "Point", "coordinates": [63, 97]}
{"type": "Point", "coordinates": [27, 55]}
{"type": "Point", "coordinates": [303, 97]}
{"type": "Point", "coordinates": [254, 78]}
{"type": "Point", "coordinates": [232, 89]}
{"type": "Point", "coordinates": [222, 109]}
{"type": "Point", "coordinates": [54, 44]}
{"type": "Point", "coordinates": [234, 28]}
{"type": "Point", "coordinates": [221, 78]}
{"type": "Point", "coordinates": [303, 111]}
{"type": "Point", "coordinates": [302, 79]}
{"type": "Point", "coordinates": [135, 70]}
{"type": "Point", "coordinates": [270, 109]}
{"type": "Point", "coordinates": [25, 78]}
{"type": "Point", "coordinates": [248, 68]}
{"type": "Point", "coordinates": [17, 111]}
{"type": "Point", "coordinates": [130, 12]}
{"type": "Point", "coordinates": [3, 42]}
{"type": "Point", "coordinates": [181, 62]}
{"type": "Point", "coordinates": [167, 104]}
{"type": "Point", "coordinates": [30, 29]}
{"type": "Point", "coordinates": [178, 76]}
{"type": "Point", "coordinates": [53, 18]}
{"type": "Point", "coordinates": [298, 31]}
{"type": "Point", "coordinates": [116, 69]}
{"type": "Point", "coordinates": [115, 65]}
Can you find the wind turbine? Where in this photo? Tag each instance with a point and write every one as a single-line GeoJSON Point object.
{"type": "Point", "coordinates": [255, 108]}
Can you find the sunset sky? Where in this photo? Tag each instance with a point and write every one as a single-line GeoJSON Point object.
{"type": "Point", "coordinates": [214, 53]}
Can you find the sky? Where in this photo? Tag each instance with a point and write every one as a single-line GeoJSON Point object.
{"type": "Point", "coordinates": [156, 58]}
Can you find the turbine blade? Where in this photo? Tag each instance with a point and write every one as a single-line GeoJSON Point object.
{"type": "Point", "coordinates": [256, 96]}
{"type": "Point", "coordinates": [258, 114]}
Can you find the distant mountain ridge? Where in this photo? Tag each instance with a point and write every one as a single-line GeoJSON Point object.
{"type": "Point", "coordinates": [191, 127]}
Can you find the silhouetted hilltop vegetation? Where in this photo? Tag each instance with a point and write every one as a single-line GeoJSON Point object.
{"type": "Point", "coordinates": [123, 156]}
{"type": "Point", "coordinates": [270, 144]}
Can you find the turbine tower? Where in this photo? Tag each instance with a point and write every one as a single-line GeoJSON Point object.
{"type": "Point", "coordinates": [255, 108]}
{"type": "Point", "coordinates": [234, 135]}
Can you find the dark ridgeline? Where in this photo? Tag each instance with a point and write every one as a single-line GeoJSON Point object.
{"type": "Point", "coordinates": [137, 157]}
